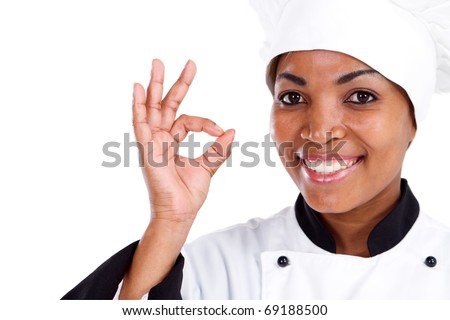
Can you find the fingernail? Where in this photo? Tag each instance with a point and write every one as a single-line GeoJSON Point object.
{"type": "Point", "coordinates": [154, 63]}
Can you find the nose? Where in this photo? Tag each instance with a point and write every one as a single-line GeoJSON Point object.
{"type": "Point", "coordinates": [323, 123]}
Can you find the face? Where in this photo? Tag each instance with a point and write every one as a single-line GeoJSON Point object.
{"type": "Point", "coordinates": [341, 128]}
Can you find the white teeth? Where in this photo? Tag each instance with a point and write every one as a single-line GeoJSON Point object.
{"type": "Point", "coordinates": [336, 166]}
{"type": "Point", "coordinates": [329, 166]}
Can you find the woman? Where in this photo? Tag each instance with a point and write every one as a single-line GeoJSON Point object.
{"type": "Point", "coordinates": [346, 92]}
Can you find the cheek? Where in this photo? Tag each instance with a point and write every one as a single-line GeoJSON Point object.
{"type": "Point", "coordinates": [390, 120]}
{"type": "Point", "coordinates": [284, 130]}
{"type": "Point", "coordinates": [386, 140]}
{"type": "Point", "coordinates": [274, 125]}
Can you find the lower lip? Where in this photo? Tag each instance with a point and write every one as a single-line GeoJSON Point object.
{"type": "Point", "coordinates": [338, 176]}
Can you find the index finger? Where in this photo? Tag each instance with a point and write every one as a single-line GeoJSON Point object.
{"type": "Point", "coordinates": [176, 94]}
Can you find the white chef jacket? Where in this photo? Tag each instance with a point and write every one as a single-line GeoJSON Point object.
{"type": "Point", "coordinates": [291, 255]}
{"type": "Point", "coordinates": [241, 262]}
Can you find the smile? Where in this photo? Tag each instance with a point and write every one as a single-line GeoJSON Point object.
{"type": "Point", "coordinates": [322, 171]}
{"type": "Point", "coordinates": [329, 166]}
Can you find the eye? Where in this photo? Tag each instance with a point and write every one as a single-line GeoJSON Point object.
{"type": "Point", "coordinates": [291, 98]}
{"type": "Point", "coordinates": [361, 97]}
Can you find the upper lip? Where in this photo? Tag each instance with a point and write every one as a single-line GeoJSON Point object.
{"type": "Point", "coordinates": [326, 157]}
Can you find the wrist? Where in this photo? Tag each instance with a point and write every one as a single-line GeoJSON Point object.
{"type": "Point", "coordinates": [169, 228]}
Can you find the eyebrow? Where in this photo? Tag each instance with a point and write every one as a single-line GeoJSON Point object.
{"type": "Point", "coordinates": [342, 80]}
{"type": "Point", "coordinates": [352, 75]}
{"type": "Point", "coordinates": [289, 76]}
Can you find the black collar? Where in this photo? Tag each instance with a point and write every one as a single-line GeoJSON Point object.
{"type": "Point", "coordinates": [384, 236]}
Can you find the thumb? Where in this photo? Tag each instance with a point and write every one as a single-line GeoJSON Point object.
{"type": "Point", "coordinates": [218, 152]}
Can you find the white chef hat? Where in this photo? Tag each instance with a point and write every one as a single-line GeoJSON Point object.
{"type": "Point", "coordinates": [407, 41]}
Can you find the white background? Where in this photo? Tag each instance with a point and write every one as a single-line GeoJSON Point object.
{"type": "Point", "coordinates": [66, 74]}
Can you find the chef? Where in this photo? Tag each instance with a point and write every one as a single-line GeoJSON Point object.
{"type": "Point", "coordinates": [349, 80]}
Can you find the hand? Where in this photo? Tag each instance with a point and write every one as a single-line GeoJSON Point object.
{"type": "Point", "coordinates": [177, 186]}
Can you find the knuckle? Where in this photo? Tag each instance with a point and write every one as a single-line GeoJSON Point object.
{"type": "Point", "coordinates": [173, 103]}
{"type": "Point", "coordinates": [155, 106]}
{"type": "Point", "coordinates": [206, 165]}
{"type": "Point", "coordinates": [184, 81]}
{"type": "Point", "coordinates": [217, 149]}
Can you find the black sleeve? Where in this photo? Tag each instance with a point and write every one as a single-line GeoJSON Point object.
{"type": "Point", "coordinates": [102, 284]}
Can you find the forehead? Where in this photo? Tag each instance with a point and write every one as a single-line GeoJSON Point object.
{"type": "Point", "coordinates": [319, 61]}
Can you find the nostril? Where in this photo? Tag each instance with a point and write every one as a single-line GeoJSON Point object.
{"type": "Point", "coordinates": [323, 135]}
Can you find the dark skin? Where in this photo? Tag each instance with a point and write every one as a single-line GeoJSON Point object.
{"type": "Point", "coordinates": [365, 112]}
{"type": "Point", "coordinates": [377, 133]}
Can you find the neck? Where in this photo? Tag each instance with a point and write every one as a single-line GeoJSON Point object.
{"type": "Point", "coordinates": [351, 229]}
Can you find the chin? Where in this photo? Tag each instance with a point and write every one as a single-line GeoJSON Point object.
{"type": "Point", "coordinates": [328, 203]}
